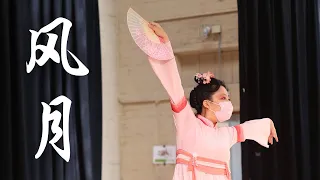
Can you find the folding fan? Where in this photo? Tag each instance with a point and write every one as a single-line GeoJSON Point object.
{"type": "Point", "coordinates": [146, 39]}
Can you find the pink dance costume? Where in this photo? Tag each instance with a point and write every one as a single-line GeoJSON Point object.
{"type": "Point", "coordinates": [203, 150]}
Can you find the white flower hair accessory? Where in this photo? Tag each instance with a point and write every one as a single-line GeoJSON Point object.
{"type": "Point", "coordinates": [204, 78]}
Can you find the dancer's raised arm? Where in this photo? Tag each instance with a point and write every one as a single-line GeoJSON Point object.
{"type": "Point", "coordinates": [168, 74]}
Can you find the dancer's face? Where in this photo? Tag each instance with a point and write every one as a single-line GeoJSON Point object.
{"type": "Point", "coordinates": [210, 107]}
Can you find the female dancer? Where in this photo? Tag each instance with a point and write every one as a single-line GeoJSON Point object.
{"type": "Point", "coordinates": [203, 149]}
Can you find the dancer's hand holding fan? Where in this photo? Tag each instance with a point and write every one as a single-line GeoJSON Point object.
{"type": "Point", "coordinates": [150, 37]}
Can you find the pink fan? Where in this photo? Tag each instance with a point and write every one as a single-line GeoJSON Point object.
{"type": "Point", "coordinates": [146, 39]}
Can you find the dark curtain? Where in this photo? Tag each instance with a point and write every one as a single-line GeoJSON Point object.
{"type": "Point", "coordinates": [21, 108]}
{"type": "Point", "coordinates": [280, 78]}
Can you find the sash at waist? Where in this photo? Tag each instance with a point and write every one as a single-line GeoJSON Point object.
{"type": "Point", "coordinates": [206, 165]}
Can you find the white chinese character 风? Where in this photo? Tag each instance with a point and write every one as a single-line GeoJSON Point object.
{"type": "Point", "coordinates": [50, 53]}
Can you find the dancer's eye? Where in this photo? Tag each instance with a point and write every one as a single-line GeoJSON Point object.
{"type": "Point", "coordinates": [225, 98]}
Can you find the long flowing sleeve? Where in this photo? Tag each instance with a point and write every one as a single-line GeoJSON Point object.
{"type": "Point", "coordinates": [257, 130]}
{"type": "Point", "coordinates": [168, 74]}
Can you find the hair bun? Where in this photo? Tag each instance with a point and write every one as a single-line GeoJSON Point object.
{"type": "Point", "coordinates": [193, 99]}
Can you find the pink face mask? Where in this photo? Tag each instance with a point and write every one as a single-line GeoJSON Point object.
{"type": "Point", "coordinates": [225, 112]}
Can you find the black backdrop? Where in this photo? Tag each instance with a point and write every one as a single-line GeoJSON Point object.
{"type": "Point", "coordinates": [280, 79]}
{"type": "Point", "coordinates": [21, 109]}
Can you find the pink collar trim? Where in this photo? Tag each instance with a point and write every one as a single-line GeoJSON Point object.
{"type": "Point", "coordinates": [205, 121]}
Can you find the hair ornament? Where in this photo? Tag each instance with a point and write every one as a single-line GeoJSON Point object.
{"type": "Point", "coordinates": [204, 78]}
